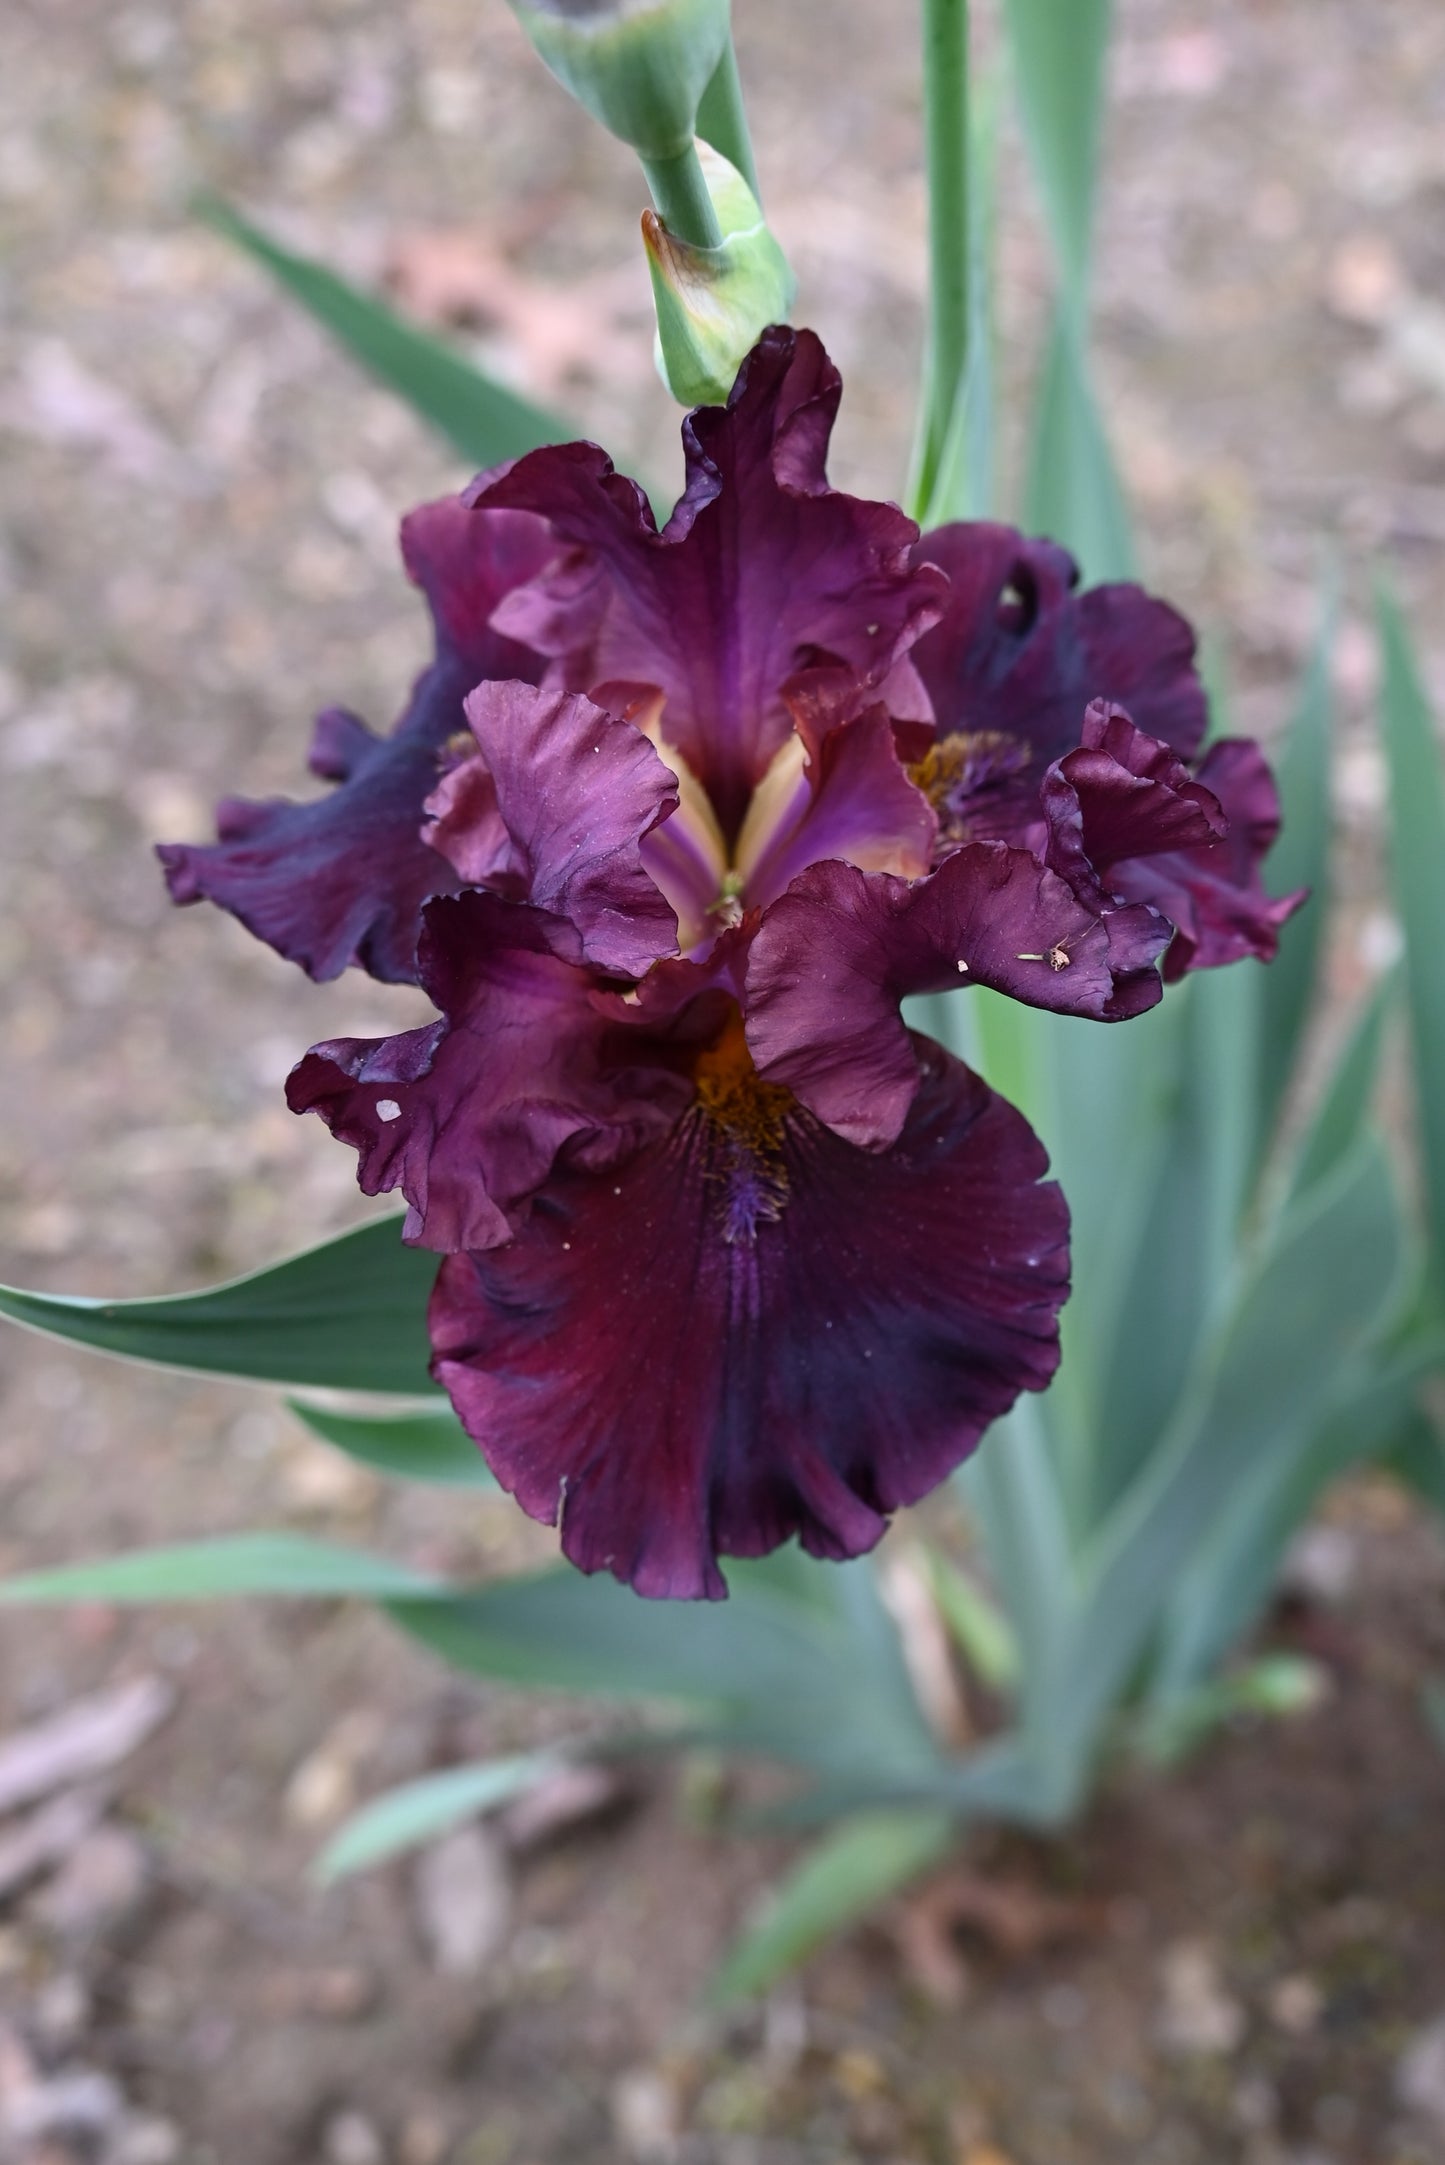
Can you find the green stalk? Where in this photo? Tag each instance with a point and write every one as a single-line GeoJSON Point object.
{"type": "Point", "coordinates": [945, 112]}
{"type": "Point", "coordinates": [683, 203]}
{"type": "Point", "coordinates": [723, 122]}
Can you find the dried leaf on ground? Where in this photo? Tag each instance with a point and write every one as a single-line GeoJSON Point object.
{"type": "Point", "coordinates": [87, 1738]}
{"type": "Point", "coordinates": [46, 1838]}
{"type": "Point", "coordinates": [1012, 1917]}
{"type": "Point", "coordinates": [464, 1901]}
{"type": "Point", "coordinates": [455, 277]}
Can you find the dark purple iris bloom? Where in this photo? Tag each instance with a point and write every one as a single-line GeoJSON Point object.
{"type": "Point", "coordinates": [673, 823]}
{"type": "Point", "coordinates": [343, 880]}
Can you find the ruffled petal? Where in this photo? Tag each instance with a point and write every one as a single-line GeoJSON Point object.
{"type": "Point", "coordinates": [1214, 894]}
{"type": "Point", "coordinates": [838, 952]}
{"type": "Point", "coordinates": [671, 1395]}
{"type": "Point", "coordinates": [467, 1115]}
{"type": "Point", "coordinates": [466, 567]}
{"type": "Point", "coordinates": [573, 792]}
{"type": "Point", "coordinates": [339, 881]}
{"type": "Point", "coordinates": [1020, 653]}
{"type": "Point", "coordinates": [343, 880]}
{"type": "Point", "coordinates": [761, 571]}
{"type": "Point", "coordinates": [1121, 794]}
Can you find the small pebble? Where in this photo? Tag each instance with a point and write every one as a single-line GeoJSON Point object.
{"type": "Point", "coordinates": [463, 1894]}
{"type": "Point", "coordinates": [101, 1886]}
{"type": "Point", "coordinates": [351, 2139]}
{"type": "Point", "coordinates": [1198, 2015]}
{"type": "Point", "coordinates": [1420, 2075]}
{"type": "Point", "coordinates": [645, 2116]}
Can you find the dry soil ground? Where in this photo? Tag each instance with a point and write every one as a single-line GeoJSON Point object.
{"type": "Point", "coordinates": [200, 501]}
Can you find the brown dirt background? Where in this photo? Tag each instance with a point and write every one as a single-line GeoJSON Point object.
{"type": "Point", "coordinates": [197, 552]}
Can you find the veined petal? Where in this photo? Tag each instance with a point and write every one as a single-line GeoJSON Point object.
{"type": "Point", "coordinates": [762, 570]}
{"type": "Point", "coordinates": [836, 954]}
{"type": "Point", "coordinates": [575, 792]}
{"type": "Point", "coordinates": [1020, 652]}
{"type": "Point", "coordinates": [343, 880]}
{"type": "Point", "coordinates": [672, 1390]}
{"type": "Point", "coordinates": [467, 1115]}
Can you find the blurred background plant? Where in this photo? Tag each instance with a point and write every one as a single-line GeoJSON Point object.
{"type": "Point", "coordinates": [1258, 1303]}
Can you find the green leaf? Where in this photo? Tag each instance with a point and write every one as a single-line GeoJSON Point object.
{"type": "Point", "coordinates": [1059, 55]}
{"type": "Point", "coordinates": [1004, 1781]}
{"type": "Point", "coordinates": [1185, 1245]}
{"type": "Point", "coordinates": [349, 1315]}
{"type": "Point", "coordinates": [1300, 858]}
{"type": "Point", "coordinates": [420, 1811]}
{"type": "Point", "coordinates": [981, 1631]}
{"type": "Point", "coordinates": [838, 1882]}
{"type": "Point", "coordinates": [427, 1445]}
{"type": "Point", "coordinates": [1072, 491]}
{"type": "Point", "coordinates": [1226, 1584]}
{"type": "Point", "coordinates": [1316, 1298]}
{"type": "Point", "coordinates": [1107, 1104]}
{"type": "Point", "coordinates": [479, 417]}
{"type": "Point", "coordinates": [1344, 1107]}
{"type": "Point", "coordinates": [262, 1563]}
{"type": "Point", "coordinates": [1417, 1455]}
{"type": "Point", "coordinates": [1417, 865]}
{"type": "Point", "coordinates": [1275, 1685]}
{"type": "Point", "coordinates": [822, 1682]}
{"type": "Point", "coordinates": [1010, 1489]}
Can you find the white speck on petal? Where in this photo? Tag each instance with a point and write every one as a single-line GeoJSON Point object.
{"type": "Point", "coordinates": [961, 963]}
{"type": "Point", "coordinates": [387, 1109]}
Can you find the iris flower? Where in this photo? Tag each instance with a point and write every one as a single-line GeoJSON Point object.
{"type": "Point", "coordinates": [672, 824]}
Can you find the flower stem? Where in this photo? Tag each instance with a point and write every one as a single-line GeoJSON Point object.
{"type": "Point", "coordinates": [723, 122]}
{"type": "Point", "coordinates": [945, 106]}
{"type": "Point", "coordinates": [683, 203]}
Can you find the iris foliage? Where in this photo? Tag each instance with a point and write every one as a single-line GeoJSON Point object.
{"type": "Point", "coordinates": [1255, 1305]}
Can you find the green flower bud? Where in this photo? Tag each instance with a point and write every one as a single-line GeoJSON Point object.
{"type": "Point", "coordinates": [639, 66]}
{"type": "Point", "coordinates": [713, 303]}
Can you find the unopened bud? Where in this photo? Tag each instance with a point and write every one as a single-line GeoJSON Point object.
{"type": "Point", "coordinates": [714, 303]}
{"type": "Point", "coordinates": [639, 66]}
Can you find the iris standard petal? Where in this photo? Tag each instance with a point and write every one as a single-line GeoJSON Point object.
{"type": "Point", "coordinates": [762, 570]}
{"type": "Point", "coordinates": [1019, 652]}
{"type": "Point", "coordinates": [739, 1337]}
